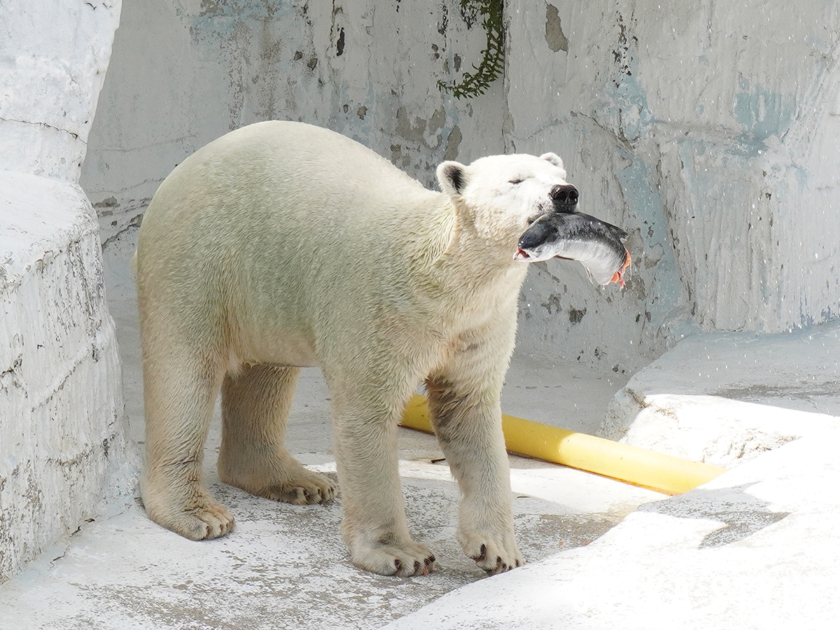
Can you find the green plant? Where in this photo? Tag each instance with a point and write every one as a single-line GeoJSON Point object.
{"type": "Point", "coordinates": [493, 56]}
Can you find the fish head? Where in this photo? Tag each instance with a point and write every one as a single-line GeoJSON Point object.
{"type": "Point", "coordinates": [538, 242]}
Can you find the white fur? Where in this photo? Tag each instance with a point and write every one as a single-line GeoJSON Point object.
{"type": "Point", "coordinates": [283, 245]}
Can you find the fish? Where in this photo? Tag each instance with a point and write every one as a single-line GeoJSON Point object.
{"type": "Point", "coordinates": [597, 245]}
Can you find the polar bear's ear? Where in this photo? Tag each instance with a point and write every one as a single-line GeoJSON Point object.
{"type": "Point", "coordinates": [452, 177]}
{"type": "Point", "coordinates": [554, 159]}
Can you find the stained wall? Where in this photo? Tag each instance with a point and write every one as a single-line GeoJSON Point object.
{"type": "Point", "coordinates": [708, 131]}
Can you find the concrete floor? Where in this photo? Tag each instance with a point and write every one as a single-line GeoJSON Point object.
{"type": "Point", "coordinates": [285, 566]}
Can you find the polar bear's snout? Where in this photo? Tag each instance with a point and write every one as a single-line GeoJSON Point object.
{"type": "Point", "coordinates": [565, 198]}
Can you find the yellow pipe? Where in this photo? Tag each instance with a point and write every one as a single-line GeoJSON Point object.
{"type": "Point", "coordinates": [663, 473]}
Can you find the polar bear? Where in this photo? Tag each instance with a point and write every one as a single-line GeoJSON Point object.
{"type": "Point", "coordinates": [283, 245]}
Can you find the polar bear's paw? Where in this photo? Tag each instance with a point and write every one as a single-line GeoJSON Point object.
{"type": "Point", "coordinates": [304, 488]}
{"type": "Point", "coordinates": [493, 554]}
{"type": "Point", "coordinates": [289, 481]}
{"type": "Point", "coordinates": [407, 559]}
{"type": "Point", "coordinates": [200, 517]}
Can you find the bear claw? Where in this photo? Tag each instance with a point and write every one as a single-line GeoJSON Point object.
{"type": "Point", "coordinates": [492, 556]}
{"type": "Point", "coordinates": [404, 560]}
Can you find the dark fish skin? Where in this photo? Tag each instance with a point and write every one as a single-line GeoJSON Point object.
{"type": "Point", "coordinates": [596, 244]}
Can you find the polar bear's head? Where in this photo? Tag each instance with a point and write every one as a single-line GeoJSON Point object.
{"type": "Point", "coordinates": [502, 195]}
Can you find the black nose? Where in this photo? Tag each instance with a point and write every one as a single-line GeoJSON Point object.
{"type": "Point", "coordinates": [565, 197]}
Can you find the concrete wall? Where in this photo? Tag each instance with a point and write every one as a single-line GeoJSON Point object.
{"type": "Point", "coordinates": [709, 131]}
{"type": "Point", "coordinates": [186, 71]}
{"type": "Point", "coordinates": [705, 129]}
{"type": "Point", "coordinates": [61, 410]}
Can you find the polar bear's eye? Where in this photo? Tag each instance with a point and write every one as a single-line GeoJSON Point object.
{"type": "Point", "coordinates": [516, 181]}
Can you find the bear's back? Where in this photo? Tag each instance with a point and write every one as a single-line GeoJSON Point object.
{"type": "Point", "coordinates": [285, 167]}
{"type": "Point", "coordinates": [280, 220]}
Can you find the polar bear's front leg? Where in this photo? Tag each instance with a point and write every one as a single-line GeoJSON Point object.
{"type": "Point", "coordinates": [467, 419]}
{"type": "Point", "coordinates": [374, 525]}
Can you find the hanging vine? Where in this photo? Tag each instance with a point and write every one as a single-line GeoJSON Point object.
{"type": "Point", "coordinates": [492, 57]}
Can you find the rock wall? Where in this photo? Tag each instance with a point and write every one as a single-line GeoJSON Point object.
{"type": "Point", "coordinates": [706, 130]}
{"type": "Point", "coordinates": [62, 433]}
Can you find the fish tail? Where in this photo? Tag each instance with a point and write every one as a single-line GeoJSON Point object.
{"type": "Point", "coordinates": [618, 276]}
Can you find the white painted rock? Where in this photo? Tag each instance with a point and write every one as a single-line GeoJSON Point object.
{"type": "Point", "coordinates": [53, 56]}
{"type": "Point", "coordinates": [723, 398]}
{"type": "Point", "coordinates": [62, 432]}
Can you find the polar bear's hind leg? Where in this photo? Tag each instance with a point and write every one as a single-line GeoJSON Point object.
{"type": "Point", "coordinates": [255, 407]}
{"type": "Point", "coordinates": [180, 390]}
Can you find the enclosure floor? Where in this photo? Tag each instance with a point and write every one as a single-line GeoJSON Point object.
{"type": "Point", "coordinates": [285, 566]}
